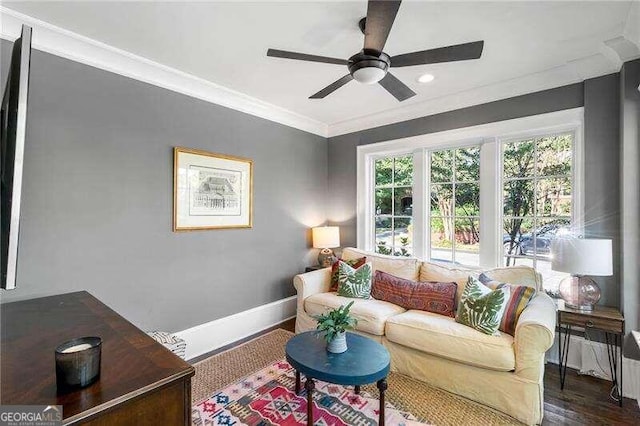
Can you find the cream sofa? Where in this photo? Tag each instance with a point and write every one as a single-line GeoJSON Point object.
{"type": "Point", "coordinates": [503, 372]}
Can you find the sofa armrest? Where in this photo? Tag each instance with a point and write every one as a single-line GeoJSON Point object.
{"type": "Point", "coordinates": [535, 333]}
{"type": "Point", "coordinates": [311, 283]}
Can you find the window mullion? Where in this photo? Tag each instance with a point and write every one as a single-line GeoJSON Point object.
{"type": "Point", "coordinates": [420, 203]}
{"type": "Point", "coordinates": [490, 190]}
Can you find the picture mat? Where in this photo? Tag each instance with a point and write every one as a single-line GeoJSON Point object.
{"type": "Point", "coordinates": [188, 161]}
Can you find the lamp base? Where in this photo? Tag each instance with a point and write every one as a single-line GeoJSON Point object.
{"type": "Point", "coordinates": [579, 307]}
{"type": "Point", "coordinates": [579, 292]}
{"type": "Point", "coordinates": [326, 258]}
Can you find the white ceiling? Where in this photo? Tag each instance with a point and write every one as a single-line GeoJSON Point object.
{"type": "Point", "coordinates": [528, 46]}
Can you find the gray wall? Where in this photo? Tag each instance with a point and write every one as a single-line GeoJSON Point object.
{"type": "Point", "coordinates": [97, 206]}
{"type": "Point", "coordinates": [602, 176]}
{"type": "Point", "coordinates": [598, 96]}
{"type": "Point", "coordinates": [630, 197]}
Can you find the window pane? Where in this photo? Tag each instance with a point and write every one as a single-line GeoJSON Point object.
{"type": "Point", "coordinates": [520, 261]}
{"type": "Point", "coordinates": [403, 237]}
{"type": "Point", "coordinates": [384, 171]}
{"type": "Point", "coordinates": [519, 159]}
{"type": "Point", "coordinates": [384, 234]}
{"type": "Point", "coordinates": [546, 231]}
{"type": "Point", "coordinates": [467, 199]}
{"type": "Point", "coordinates": [442, 200]}
{"type": "Point", "coordinates": [554, 155]}
{"type": "Point", "coordinates": [551, 278]}
{"type": "Point", "coordinates": [441, 242]}
{"type": "Point", "coordinates": [468, 164]}
{"type": "Point", "coordinates": [442, 166]}
{"type": "Point", "coordinates": [404, 170]}
{"type": "Point", "coordinates": [517, 237]}
{"type": "Point", "coordinates": [518, 198]}
{"type": "Point", "coordinates": [383, 200]}
{"type": "Point", "coordinates": [553, 197]}
{"type": "Point", "coordinates": [467, 241]}
{"type": "Point", "coordinates": [403, 198]}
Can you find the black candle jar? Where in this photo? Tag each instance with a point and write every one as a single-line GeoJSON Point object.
{"type": "Point", "coordinates": [78, 362]}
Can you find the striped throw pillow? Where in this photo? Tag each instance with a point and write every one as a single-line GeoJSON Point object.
{"type": "Point", "coordinates": [520, 296]}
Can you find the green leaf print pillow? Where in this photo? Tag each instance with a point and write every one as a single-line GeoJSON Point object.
{"type": "Point", "coordinates": [354, 282]}
{"type": "Point", "coordinates": [481, 308]}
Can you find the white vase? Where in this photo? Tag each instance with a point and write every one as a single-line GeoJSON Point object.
{"type": "Point", "coordinates": [338, 344]}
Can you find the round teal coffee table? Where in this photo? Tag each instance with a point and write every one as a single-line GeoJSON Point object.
{"type": "Point", "coordinates": [366, 361]}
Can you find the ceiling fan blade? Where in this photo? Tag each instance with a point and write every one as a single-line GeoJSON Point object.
{"type": "Point", "coordinates": [458, 52]}
{"type": "Point", "coordinates": [380, 17]}
{"type": "Point", "coordinates": [397, 88]}
{"type": "Point", "coordinates": [304, 57]}
{"type": "Point", "coordinates": [332, 87]}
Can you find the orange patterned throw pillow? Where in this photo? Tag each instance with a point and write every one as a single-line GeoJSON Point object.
{"type": "Point", "coordinates": [354, 263]}
{"type": "Point", "coordinates": [439, 298]}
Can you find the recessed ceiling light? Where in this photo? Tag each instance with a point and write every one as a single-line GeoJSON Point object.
{"type": "Point", "coordinates": [425, 78]}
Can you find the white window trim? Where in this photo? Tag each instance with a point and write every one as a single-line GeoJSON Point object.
{"type": "Point", "coordinates": [490, 137]}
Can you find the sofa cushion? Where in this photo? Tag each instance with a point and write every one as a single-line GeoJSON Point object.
{"type": "Point", "coordinates": [443, 336]}
{"type": "Point", "coordinates": [403, 267]}
{"type": "Point", "coordinates": [370, 313]}
{"type": "Point", "coordinates": [439, 298]}
{"type": "Point", "coordinates": [434, 272]}
{"type": "Point", "coordinates": [521, 275]}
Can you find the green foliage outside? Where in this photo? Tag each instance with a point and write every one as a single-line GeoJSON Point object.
{"type": "Point", "coordinates": [394, 204]}
{"type": "Point", "coordinates": [537, 184]}
{"type": "Point", "coordinates": [537, 190]}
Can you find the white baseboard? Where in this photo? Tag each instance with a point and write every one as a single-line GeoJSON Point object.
{"type": "Point", "coordinates": [591, 358]}
{"type": "Point", "coordinates": [215, 334]}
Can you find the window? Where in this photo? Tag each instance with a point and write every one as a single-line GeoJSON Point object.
{"type": "Point", "coordinates": [393, 205]}
{"type": "Point", "coordinates": [474, 197]}
{"type": "Point", "coordinates": [455, 205]}
{"type": "Point", "coordinates": [537, 200]}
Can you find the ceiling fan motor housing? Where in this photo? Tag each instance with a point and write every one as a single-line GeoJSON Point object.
{"type": "Point", "coordinates": [369, 67]}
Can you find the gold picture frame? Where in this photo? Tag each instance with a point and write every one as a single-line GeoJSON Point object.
{"type": "Point", "coordinates": [211, 191]}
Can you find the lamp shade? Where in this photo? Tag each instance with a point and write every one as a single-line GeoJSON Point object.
{"type": "Point", "coordinates": [326, 237]}
{"type": "Point", "coordinates": [582, 256]}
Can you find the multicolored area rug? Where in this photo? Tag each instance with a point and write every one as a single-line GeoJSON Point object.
{"type": "Point", "coordinates": [223, 371]}
{"type": "Point", "coordinates": [268, 398]}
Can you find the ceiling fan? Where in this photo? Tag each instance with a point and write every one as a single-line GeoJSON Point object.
{"type": "Point", "coordinates": [371, 65]}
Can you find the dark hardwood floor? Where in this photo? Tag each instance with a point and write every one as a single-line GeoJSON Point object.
{"type": "Point", "coordinates": [584, 400]}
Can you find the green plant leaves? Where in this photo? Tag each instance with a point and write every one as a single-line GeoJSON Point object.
{"type": "Point", "coordinates": [335, 321]}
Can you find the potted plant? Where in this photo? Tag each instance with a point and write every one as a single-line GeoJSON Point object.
{"type": "Point", "coordinates": [333, 325]}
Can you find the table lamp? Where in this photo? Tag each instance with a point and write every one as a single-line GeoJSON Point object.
{"type": "Point", "coordinates": [581, 257]}
{"type": "Point", "coordinates": [326, 238]}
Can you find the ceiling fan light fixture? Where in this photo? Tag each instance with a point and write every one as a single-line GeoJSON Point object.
{"type": "Point", "coordinates": [426, 78]}
{"type": "Point", "coordinates": [369, 75]}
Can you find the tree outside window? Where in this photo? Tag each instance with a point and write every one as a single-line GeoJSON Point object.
{"type": "Point", "coordinates": [455, 205]}
{"type": "Point", "coordinates": [537, 200]}
{"type": "Point", "coordinates": [394, 205]}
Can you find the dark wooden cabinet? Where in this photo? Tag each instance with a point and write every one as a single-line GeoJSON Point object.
{"type": "Point", "coordinates": [141, 382]}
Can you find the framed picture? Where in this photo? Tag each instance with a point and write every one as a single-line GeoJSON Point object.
{"type": "Point", "coordinates": [211, 191]}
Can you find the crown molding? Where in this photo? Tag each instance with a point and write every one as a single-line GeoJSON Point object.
{"type": "Point", "coordinates": [67, 44]}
